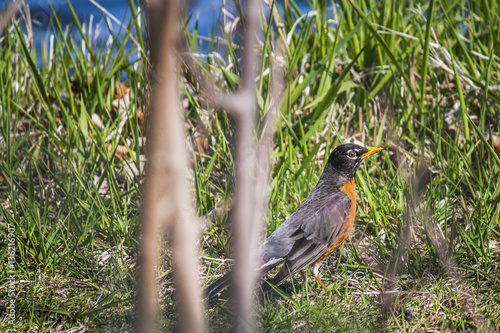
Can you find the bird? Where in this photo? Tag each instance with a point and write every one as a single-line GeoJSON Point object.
{"type": "Point", "coordinates": [317, 227]}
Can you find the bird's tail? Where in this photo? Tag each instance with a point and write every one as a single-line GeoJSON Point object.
{"type": "Point", "coordinates": [219, 285]}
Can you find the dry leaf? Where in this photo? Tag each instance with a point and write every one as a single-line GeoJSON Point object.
{"type": "Point", "coordinates": [121, 90]}
{"type": "Point", "coordinates": [121, 153]}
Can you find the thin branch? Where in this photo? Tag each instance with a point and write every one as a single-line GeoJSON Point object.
{"type": "Point", "coordinates": [252, 162]}
{"type": "Point", "coordinates": [167, 205]}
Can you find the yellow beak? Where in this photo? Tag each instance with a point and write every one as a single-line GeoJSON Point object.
{"type": "Point", "coordinates": [371, 151]}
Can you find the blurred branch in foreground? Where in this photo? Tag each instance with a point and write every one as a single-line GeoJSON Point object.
{"type": "Point", "coordinates": [252, 162]}
{"type": "Point", "coordinates": [167, 205]}
{"type": "Point", "coordinates": [417, 217]}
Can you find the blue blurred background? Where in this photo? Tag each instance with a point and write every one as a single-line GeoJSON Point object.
{"type": "Point", "coordinates": [206, 11]}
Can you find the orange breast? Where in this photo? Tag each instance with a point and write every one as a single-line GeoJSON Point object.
{"type": "Point", "coordinates": [348, 189]}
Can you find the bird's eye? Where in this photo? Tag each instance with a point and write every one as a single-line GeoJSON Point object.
{"type": "Point", "coordinates": [351, 154]}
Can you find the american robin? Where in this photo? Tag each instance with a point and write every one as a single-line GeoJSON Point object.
{"type": "Point", "coordinates": [318, 227]}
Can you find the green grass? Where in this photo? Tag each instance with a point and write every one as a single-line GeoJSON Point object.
{"type": "Point", "coordinates": [70, 200]}
{"type": "Point", "coordinates": [353, 74]}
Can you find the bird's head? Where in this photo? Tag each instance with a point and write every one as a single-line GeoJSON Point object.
{"type": "Point", "coordinates": [347, 158]}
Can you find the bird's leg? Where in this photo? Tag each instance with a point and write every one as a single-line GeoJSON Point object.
{"type": "Point", "coordinates": [315, 271]}
{"type": "Point", "coordinates": [322, 284]}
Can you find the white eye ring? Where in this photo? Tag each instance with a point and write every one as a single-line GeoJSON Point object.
{"type": "Point", "coordinates": [352, 154]}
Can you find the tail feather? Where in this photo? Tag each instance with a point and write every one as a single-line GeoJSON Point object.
{"type": "Point", "coordinates": [219, 285]}
{"type": "Point", "coordinates": [223, 282]}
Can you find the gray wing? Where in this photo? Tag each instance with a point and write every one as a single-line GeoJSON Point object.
{"type": "Point", "coordinates": [302, 239]}
{"type": "Point", "coordinates": [307, 234]}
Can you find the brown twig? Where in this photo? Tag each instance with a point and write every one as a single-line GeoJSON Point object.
{"type": "Point", "coordinates": [417, 212]}
{"type": "Point", "coordinates": [245, 226]}
{"type": "Point", "coordinates": [253, 162]}
{"type": "Point", "coordinates": [167, 205]}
